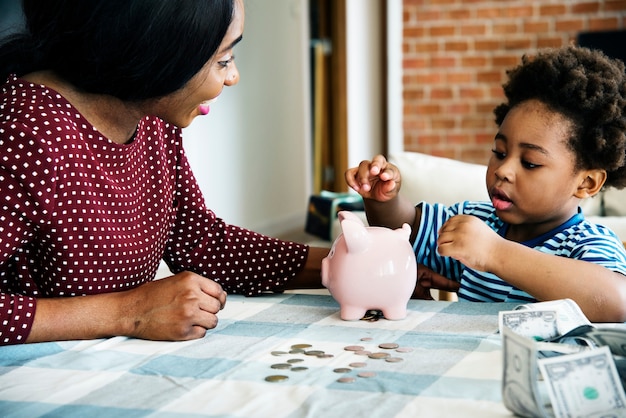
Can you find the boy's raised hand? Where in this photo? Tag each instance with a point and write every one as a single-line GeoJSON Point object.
{"type": "Point", "coordinates": [377, 179]}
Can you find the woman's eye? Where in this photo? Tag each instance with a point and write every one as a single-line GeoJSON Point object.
{"type": "Point", "coordinates": [226, 63]}
{"type": "Point", "coordinates": [499, 155]}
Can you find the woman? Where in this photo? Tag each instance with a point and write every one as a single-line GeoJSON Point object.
{"type": "Point", "coordinates": [96, 188]}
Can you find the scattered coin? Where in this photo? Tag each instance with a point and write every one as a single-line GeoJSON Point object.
{"type": "Point", "coordinates": [367, 374]}
{"type": "Point", "coordinates": [394, 359]}
{"type": "Point", "coordinates": [296, 351]}
{"type": "Point", "coordinates": [295, 360]}
{"type": "Point", "coordinates": [404, 350]}
{"type": "Point", "coordinates": [299, 369]}
{"type": "Point", "coordinates": [279, 353]}
{"type": "Point", "coordinates": [357, 364]}
{"type": "Point", "coordinates": [314, 353]}
{"type": "Point", "coordinates": [346, 380]}
{"type": "Point", "coordinates": [378, 356]}
{"type": "Point", "coordinates": [388, 346]}
{"type": "Point", "coordinates": [354, 348]}
{"type": "Point", "coordinates": [342, 370]}
{"type": "Point", "coordinates": [301, 346]}
{"type": "Point", "coordinates": [363, 353]}
{"type": "Point", "coordinates": [276, 378]}
{"type": "Point", "coordinates": [325, 355]}
{"type": "Point", "coordinates": [366, 339]}
{"type": "Point", "coordinates": [281, 366]}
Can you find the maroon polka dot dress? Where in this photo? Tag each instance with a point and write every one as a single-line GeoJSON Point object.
{"type": "Point", "coordinates": [81, 215]}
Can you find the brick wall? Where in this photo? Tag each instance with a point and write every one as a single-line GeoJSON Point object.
{"type": "Point", "coordinates": [456, 52]}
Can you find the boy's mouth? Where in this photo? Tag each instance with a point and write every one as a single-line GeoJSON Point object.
{"type": "Point", "coordinates": [500, 200]}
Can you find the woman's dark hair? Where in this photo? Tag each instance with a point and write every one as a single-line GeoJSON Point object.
{"type": "Point", "coordinates": [131, 49]}
{"type": "Point", "coordinates": [590, 90]}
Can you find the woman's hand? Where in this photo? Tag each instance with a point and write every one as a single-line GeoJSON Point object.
{"type": "Point", "coordinates": [427, 279]}
{"type": "Point", "coordinates": [179, 307]}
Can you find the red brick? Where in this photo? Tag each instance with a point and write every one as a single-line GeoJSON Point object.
{"type": "Point", "coordinates": [615, 6]}
{"type": "Point", "coordinates": [474, 61]}
{"type": "Point", "coordinates": [444, 30]}
{"type": "Point", "coordinates": [506, 28]}
{"type": "Point", "coordinates": [473, 29]}
{"type": "Point", "coordinates": [536, 26]}
{"type": "Point", "coordinates": [459, 46]}
{"type": "Point", "coordinates": [517, 43]}
{"type": "Point", "coordinates": [441, 93]}
{"type": "Point", "coordinates": [603, 23]}
{"type": "Point", "coordinates": [552, 10]}
{"type": "Point", "coordinates": [569, 25]}
{"type": "Point", "coordinates": [586, 8]}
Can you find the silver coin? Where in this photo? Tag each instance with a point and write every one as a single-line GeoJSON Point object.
{"type": "Point", "coordinates": [299, 369]}
{"type": "Point", "coordinates": [296, 351]}
{"type": "Point", "coordinates": [281, 366]}
{"type": "Point", "coordinates": [366, 374]}
{"type": "Point", "coordinates": [325, 355]}
{"type": "Point", "coordinates": [314, 353]}
{"type": "Point", "coordinates": [394, 359]}
{"type": "Point", "coordinates": [279, 353]}
{"type": "Point", "coordinates": [388, 346]}
{"type": "Point", "coordinates": [354, 348]}
{"type": "Point", "coordinates": [357, 364]}
{"type": "Point", "coordinates": [346, 380]}
{"type": "Point", "coordinates": [342, 370]}
{"type": "Point", "coordinates": [378, 356]}
{"type": "Point", "coordinates": [295, 360]}
{"type": "Point", "coordinates": [276, 378]}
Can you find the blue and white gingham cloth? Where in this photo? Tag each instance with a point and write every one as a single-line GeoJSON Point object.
{"type": "Point", "coordinates": [455, 368]}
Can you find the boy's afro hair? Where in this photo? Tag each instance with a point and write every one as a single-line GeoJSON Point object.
{"type": "Point", "coordinates": [590, 90]}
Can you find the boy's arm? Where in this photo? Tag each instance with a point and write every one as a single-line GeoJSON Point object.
{"type": "Point", "coordinates": [393, 213]}
{"type": "Point", "coordinates": [600, 292]}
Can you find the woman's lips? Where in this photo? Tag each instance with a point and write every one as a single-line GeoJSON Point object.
{"type": "Point", "coordinates": [205, 107]}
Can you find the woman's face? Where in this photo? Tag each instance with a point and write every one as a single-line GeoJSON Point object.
{"type": "Point", "coordinates": [182, 106]}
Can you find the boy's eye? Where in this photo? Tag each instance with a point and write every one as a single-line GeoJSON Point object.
{"type": "Point", "coordinates": [529, 165]}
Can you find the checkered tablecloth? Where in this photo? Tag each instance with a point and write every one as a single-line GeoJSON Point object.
{"type": "Point", "coordinates": [454, 367]}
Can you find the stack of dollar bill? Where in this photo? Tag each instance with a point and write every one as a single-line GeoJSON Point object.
{"type": "Point", "coordinates": [556, 363]}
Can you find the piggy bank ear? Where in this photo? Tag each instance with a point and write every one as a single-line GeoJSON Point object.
{"type": "Point", "coordinates": [346, 214]}
{"type": "Point", "coordinates": [354, 232]}
{"type": "Point", "coordinates": [405, 231]}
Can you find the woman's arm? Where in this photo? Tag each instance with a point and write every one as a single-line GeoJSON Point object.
{"type": "Point", "coordinates": [180, 307]}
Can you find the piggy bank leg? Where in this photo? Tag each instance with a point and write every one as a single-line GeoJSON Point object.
{"type": "Point", "coordinates": [394, 313]}
{"type": "Point", "coordinates": [351, 313]}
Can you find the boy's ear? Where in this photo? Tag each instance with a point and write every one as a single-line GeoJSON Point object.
{"type": "Point", "coordinates": [591, 183]}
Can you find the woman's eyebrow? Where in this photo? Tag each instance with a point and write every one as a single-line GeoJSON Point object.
{"type": "Point", "coordinates": [232, 44]}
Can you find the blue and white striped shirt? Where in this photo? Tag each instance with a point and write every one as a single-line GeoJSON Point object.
{"type": "Point", "coordinates": [577, 238]}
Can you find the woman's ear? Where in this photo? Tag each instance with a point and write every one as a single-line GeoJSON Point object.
{"type": "Point", "coordinates": [591, 184]}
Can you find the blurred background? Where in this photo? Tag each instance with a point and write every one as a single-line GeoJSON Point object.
{"type": "Point", "coordinates": [328, 83]}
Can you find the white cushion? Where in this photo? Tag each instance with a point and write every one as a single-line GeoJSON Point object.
{"type": "Point", "coordinates": [614, 202]}
{"type": "Point", "coordinates": [440, 180]}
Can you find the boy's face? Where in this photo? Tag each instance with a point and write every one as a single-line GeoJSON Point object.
{"type": "Point", "coordinates": [531, 177]}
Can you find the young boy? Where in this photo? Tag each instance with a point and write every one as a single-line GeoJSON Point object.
{"type": "Point", "coordinates": [561, 139]}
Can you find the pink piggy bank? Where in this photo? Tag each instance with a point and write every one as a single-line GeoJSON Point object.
{"type": "Point", "coordinates": [370, 268]}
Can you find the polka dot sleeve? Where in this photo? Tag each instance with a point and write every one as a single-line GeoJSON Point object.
{"type": "Point", "coordinates": [242, 261]}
